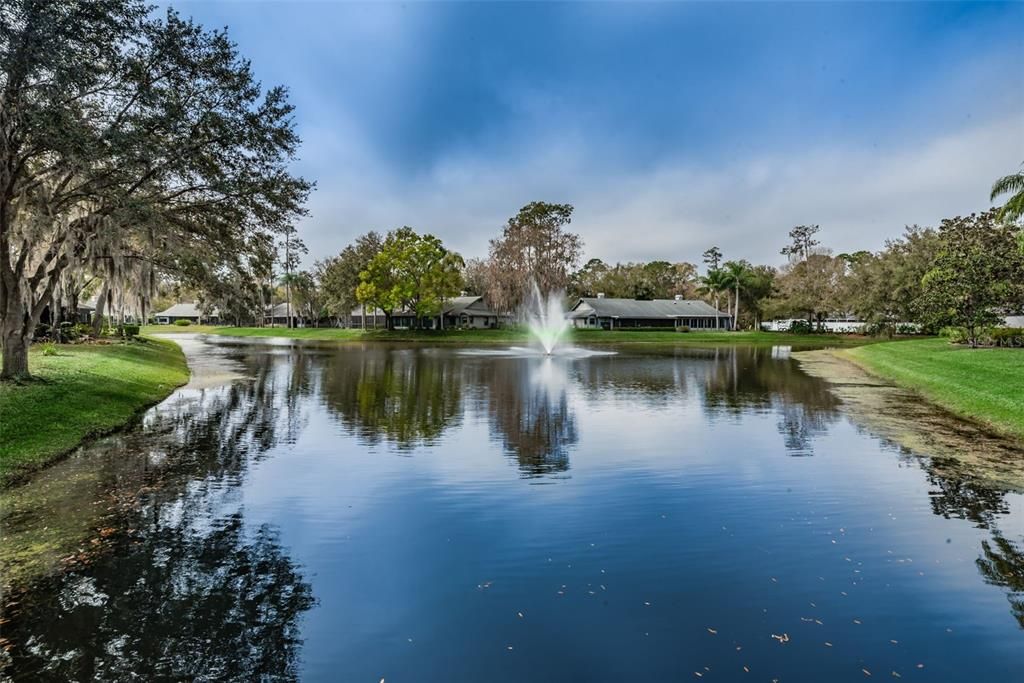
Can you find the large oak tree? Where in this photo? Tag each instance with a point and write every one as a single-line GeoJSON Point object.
{"type": "Point", "coordinates": [129, 138]}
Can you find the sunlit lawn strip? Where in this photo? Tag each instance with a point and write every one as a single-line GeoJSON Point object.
{"type": "Point", "coordinates": [985, 384]}
{"type": "Point", "coordinates": [82, 391]}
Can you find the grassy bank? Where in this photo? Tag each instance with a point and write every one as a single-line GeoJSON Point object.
{"type": "Point", "coordinates": [80, 392]}
{"type": "Point", "coordinates": [986, 385]}
{"type": "Point", "coordinates": [519, 336]}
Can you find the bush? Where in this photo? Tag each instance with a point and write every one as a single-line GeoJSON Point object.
{"type": "Point", "coordinates": [66, 332]}
{"type": "Point", "coordinates": [800, 327]}
{"type": "Point", "coordinates": [182, 322]}
{"type": "Point", "coordinates": [48, 349]}
{"type": "Point", "coordinates": [130, 331]}
{"type": "Point", "coordinates": [683, 328]}
{"type": "Point", "coordinates": [1009, 337]}
{"type": "Point", "coordinates": [83, 329]}
{"type": "Point", "coordinates": [42, 332]}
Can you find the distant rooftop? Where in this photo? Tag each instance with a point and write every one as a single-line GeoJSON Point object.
{"type": "Point", "coordinates": [187, 310]}
{"type": "Point", "coordinates": [604, 307]}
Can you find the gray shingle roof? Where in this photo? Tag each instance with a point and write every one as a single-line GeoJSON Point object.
{"type": "Point", "coordinates": [658, 308]}
{"type": "Point", "coordinates": [459, 304]}
{"type": "Point", "coordinates": [186, 310]}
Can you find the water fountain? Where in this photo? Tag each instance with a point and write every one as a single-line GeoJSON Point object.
{"type": "Point", "coordinates": [548, 327]}
{"type": "Point", "coordinates": [546, 319]}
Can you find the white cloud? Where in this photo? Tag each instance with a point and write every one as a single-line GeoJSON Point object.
{"type": "Point", "coordinates": [860, 196]}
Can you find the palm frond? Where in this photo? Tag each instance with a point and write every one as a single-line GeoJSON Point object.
{"type": "Point", "coordinates": [1013, 209]}
{"type": "Point", "coordinates": [1011, 183]}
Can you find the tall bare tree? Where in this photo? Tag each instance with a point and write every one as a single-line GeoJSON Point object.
{"type": "Point", "coordinates": [533, 249]}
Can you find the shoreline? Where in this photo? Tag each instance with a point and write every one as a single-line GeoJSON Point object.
{"type": "Point", "coordinates": [910, 420]}
{"type": "Point", "coordinates": [90, 391]}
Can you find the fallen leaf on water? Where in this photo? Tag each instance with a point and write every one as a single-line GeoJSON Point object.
{"type": "Point", "coordinates": [712, 631]}
{"type": "Point", "coordinates": [520, 614]}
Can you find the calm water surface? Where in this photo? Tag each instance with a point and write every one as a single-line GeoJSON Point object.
{"type": "Point", "coordinates": [354, 513]}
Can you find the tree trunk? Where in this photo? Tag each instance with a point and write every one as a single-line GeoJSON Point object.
{"type": "Point", "coordinates": [97, 318]}
{"type": "Point", "coordinates": [15, 341]}
{"type": "Point", "coordinates": [736, 316]}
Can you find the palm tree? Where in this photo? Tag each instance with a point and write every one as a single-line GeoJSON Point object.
{"type": "Point", "coordinates": [1014, 207]}
{"type": "Point", "coordinates": [736, 277]}
{"type": "Point", "coordinates": [714, 283]}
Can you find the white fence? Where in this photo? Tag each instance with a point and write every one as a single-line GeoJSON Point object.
{"type": "Point", "coordinates": [837, 325]}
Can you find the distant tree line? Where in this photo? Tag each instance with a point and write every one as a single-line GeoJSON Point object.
{"type": "Point", "coordinates": [966, 273]}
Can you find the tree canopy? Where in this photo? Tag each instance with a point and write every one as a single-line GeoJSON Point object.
{"type": "Point", "coordinates": [534, 248]}
{"type": "Point", "coordinates": [410, 272]}
{"type": "Point", "coordinates": [977, 274]}
{"type": "Point", "coordinates": [129, 143]}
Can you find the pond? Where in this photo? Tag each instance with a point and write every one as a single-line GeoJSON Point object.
{"type": "Point", "coordinates": [368, 512]}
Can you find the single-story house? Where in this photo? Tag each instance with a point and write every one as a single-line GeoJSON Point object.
{"type": "Point", "coordinates": [82, 315]}
{"type": "Point", "coordinates": [459, 311]}
{"type": "Point", "coordinates": [374, 317]}
{"type": "Point", "coordinates": [604, 313]}
{"type": "Point", "coordinates": [278, 315]}
{"type": "Point", "coordinates": [470, 311]}
{"type": "Point", "coordinates": [187, 311]}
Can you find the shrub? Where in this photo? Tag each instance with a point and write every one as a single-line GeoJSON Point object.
{"type": "Point", "coordinates": [83, 329]}
{"type": "Point", "coordinates": [182, 322]}
{"type": "Point", "coordinates": [48, 348]}
{"type": "Point", "coordinates": [42, 331]}
{"type": "Point", "coordinates": [683, 328]}
{"type": "Point", "coordinates": [66, 332]}
{"type": "Point", "coordinates": [130, 331]}
{"type": "Point", "coordinates": [1011, 337]}
{"type": "Point", "coordinates": [800, 327]}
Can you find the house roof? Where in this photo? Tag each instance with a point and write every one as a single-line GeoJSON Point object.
{"type": "Point", "coordinates": [187, 310]}
{"type": "Point", "coordinates": [604, 307]}
{"type": "Point", "coordinates": [459, 304]}
{"type": "Point", "coordinates": [281, 311]}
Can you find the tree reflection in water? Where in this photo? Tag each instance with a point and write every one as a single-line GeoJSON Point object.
{"type": "Point", "coordinates": [530, 414]}
{"type": "Point", "coordinates": [1002, 564]}
{"type": "Point", "coordinates": [403, 397]}
{"type": "Point", "coordinates": [738, 379]}
{"type": "Point", "coordinates": [962, 496]}
{"type": "Point", "coordinates": [169, 602]}
{"type": "Point", "coordinates": [174, 586]}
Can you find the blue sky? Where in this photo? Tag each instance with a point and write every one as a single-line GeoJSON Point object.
{"type": "Point", "coordinates": [670, 127]}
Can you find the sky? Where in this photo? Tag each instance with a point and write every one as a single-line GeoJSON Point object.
{"type": "Point", "coordinates": [671, 127]}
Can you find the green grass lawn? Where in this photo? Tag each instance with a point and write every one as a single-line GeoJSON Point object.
{"type": "Point", "coordinates": [82, 391]}
{"type": "Point", "coordinates": [519, 336]}
{"type": "Point", "coordinates": [986, 385]}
